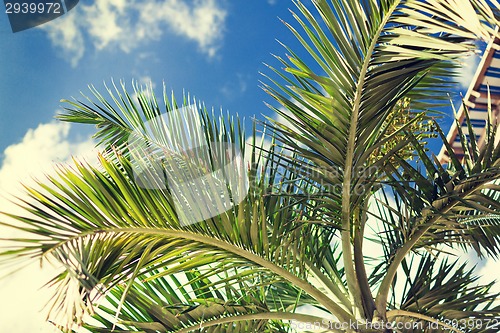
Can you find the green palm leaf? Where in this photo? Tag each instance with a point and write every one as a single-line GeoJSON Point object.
{"type": "Point", "coordinates": [447, 293]}
{"type": "Point", "coordinates": [367, 57]}
{"type": "Point", "coordinates": [132, 231]}
{"type": "Point", "coordinates": [106, 229]}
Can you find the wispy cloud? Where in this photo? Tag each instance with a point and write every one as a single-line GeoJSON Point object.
{"type": "Point", "coordinates": [490, 265]}
{"type": "Point", "coordinates": [127, 25]}
{"type": "Point", "coordinates": [236, 86]}
{"type": "Point", "coordinates": [37, 152]}
{"type": "Point", "coordinates": [67, 37]}
{"type": "Point", "coordinates": [469, 68]}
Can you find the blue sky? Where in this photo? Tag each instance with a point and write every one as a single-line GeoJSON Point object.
{"type": "Point", "coordinates": [213, 49]}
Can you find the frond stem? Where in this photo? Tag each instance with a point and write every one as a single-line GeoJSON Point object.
{"type": "Point", "coordinates": [347, 252]}
{"type": "Point", "coordinates": [383, 292]}
{"type": "Point", "coordinates": [328, 303]}
{"type": "Point", "coordinates": [263, 316]}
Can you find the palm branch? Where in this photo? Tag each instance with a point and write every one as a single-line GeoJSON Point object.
{"type": "Point", "coordinates": [358, 119]}
{"type": "Point", "coordinates": [369, 56]}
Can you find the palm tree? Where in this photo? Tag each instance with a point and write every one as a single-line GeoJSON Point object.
{"type": "Point", "coordinates": [288, 256]}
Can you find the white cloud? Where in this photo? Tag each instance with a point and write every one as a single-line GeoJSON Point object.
{"type": "Point", "coordinates": [468, 70]}
{"type": "Point", "coordinates": [236, 86]}
{"type": "Point", "coordinates": [202, 22]}
{"type": "Point", "coordinates": [129, 24]}
{"type": "Point", "coordinates": [23, 297]}
{"type": "Point", "coordinates": [261, 142]}
{"type": "Point", "coordinates": [66, 35]}
{"type": "Point", "coordinates": [146, 86]}
{"type": "Point", "coordinates": [483, 268]}
{"type": "Point", "coordinates": [37, 152]}
{"type": "Point", "coordinates": [489, 272]}
{"type": "Point", "coordinates": [106, 21]}
{"type": "Point", "coordinates": [146, 80]}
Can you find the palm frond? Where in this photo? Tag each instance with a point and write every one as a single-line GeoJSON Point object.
{"type": "Point", "coordinates": [367, 57]}
{"type": "Point", "coordinates": [437, 202]}
{"type": "Point", "coordinates": [157, 307]}
{"type": "Point", "coordinates": [447, 292]}
{"type": "Point", "coordinates": [106, 229]}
